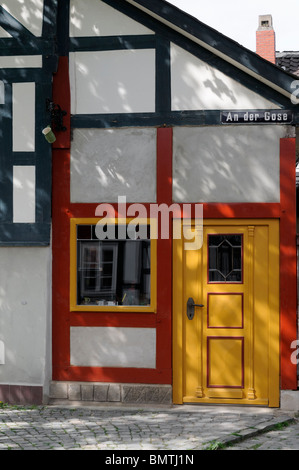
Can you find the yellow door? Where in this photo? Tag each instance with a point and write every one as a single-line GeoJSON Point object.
{"type": "Point", "coordinates": [226, 314]}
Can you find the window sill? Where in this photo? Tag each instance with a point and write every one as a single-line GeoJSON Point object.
{"type": "Point", "coordinates": [115, 309]}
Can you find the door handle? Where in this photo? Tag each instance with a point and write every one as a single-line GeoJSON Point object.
{"type": "Point", "coordinates": [191, 308]}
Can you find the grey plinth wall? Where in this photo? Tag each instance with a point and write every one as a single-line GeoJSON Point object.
{"type": "Point", "coordinates": [289, 400]}
{"type": "Point", "coordinates": [110, 393]}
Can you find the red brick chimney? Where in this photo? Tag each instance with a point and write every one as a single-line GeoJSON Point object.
{"type": "Point", "coordinates": [265, 38]}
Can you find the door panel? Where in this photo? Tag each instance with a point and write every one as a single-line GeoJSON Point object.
{"type": "Point", "coordinates": [228, 352]}
{"type": "Point", "coordinates": [225, 362]}
{"type": "Point", "coordinates": [225, 310]}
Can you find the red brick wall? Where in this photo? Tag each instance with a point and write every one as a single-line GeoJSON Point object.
{"type": "Point", "coordinates": [265, 44]}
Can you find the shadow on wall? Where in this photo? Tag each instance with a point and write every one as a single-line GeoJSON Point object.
{"type": "Point", "coordinates": [196, 85]}
{"type": "Point", "coordinates": [113, 347]}
{"type": "Point", "coordinates": [29, 14]}
{"type": "Point", "coordinates": [219, 87]}
{"type": "Point", "coordinates": [221, 164]}
{"type": "Point", "coordinates": [95, 18]}
{"type": "Point", "coordinates": [107, 163]}
{"type": "Point", "coordinates": [104, 82]}
{"type": "Point", "coordinates": [24, 281]}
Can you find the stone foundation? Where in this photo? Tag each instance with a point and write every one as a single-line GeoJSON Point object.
{"type": "Point", "coordinates": [111, 393]}
{"type": "Point", "coordinates": [21, 394]}
{"type": "Point", "coordinates": [289, 400]}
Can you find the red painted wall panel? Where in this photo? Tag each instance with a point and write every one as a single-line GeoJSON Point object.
{"type": "Point", "coordinates": [288, 262]}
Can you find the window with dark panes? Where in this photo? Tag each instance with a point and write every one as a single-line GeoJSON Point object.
{"type": "Point", "coordinates": [225, 258]}
{"type": "Point", "coordinates": [112, 272]}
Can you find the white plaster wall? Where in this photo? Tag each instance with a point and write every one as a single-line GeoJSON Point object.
{"type": "Point", "coordinates": [107, 163]}
{"type": "Point", "coordinates": [113, 347]}
{"type": "Point", "coordinates": [27, 12]}
{"type": "Point", "coordinates": [2, 92]}
{"type": "Point", "coordinates": [106, 82]}
{"type": "Point", "coordinates": [25, 315]}
{"type": "Point", "coordinates": [196, 85]}
{"type": "Point", "coordinates": [227, 164]}
{"type": "Point", "coordinates": [24, 194]}
{"type": "Point", "coordinates": [4, 34]}
{"type": "Point", "coordinates": [95, 18]}
{"type": "Point", "coordinates": [23, 128]}
{"type": "Point", "coordinates": [2, 353]}
{"type": "Point", "coordinates": [19, 61]}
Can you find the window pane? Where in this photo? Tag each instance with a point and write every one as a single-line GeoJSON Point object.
{"type": "Point", "coordinates": [84, 232]}
{"type": "Point", "coordinates": [112, 272]}
{"type": "Point", "coordinates": [225, 258]}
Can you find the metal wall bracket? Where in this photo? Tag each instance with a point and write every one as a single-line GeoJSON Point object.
{"type": "Point", "coordinates": [57, 115]}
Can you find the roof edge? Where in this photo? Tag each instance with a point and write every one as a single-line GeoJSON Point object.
{"type": "Point", "coordinates": [221, 45]}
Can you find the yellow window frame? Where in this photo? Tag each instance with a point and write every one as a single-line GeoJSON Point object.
{"type": "Point", "coordinates": [74, 307]}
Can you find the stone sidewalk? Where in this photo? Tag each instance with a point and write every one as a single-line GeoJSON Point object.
{"type": "Point", "coordinates": [283, 437]}
{"type": "Point", "coordinates": [165, 428]}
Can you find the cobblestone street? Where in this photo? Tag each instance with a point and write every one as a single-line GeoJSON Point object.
{"type": "Point", "coordinates": [187, 428]}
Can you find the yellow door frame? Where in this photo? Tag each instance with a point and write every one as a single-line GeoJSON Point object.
{"type": "Point", "coordinates": [272, 330]}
